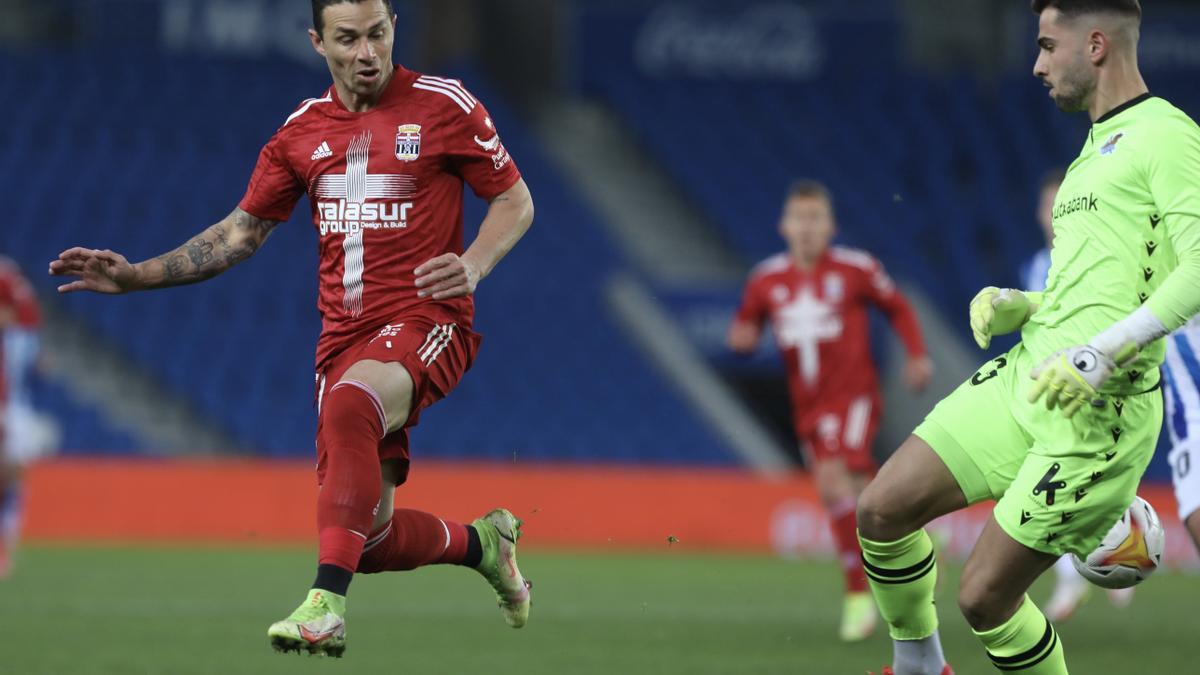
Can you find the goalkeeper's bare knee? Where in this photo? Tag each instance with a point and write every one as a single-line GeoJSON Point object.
{"type": "Point", "coordinates": [912, 488]}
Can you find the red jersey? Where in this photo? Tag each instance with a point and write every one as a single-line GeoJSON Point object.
{"type": "Point", "coordinates": [17, 295]}
{"type": "Point", "coordinates": [821, 322]}
{"type": "Point", "coordinates": [386, 190]}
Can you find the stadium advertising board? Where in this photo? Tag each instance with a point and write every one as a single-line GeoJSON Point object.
{"type": "Point", "coordinates": [273, 503]}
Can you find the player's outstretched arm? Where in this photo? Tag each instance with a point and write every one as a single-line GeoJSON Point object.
{"type": "Point", "coordinates": [204, 256]}
{"type": "Point", "coordinates": [883, 293]}
{"type": "Point", "coordinates": [508, 219]}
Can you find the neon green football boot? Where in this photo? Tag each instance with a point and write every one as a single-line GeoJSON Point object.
{"type": "Point", "coordinates": [498, 534]}
{"type": "Point", "coordinates": [317, 626]}
{"type": "Point", "coordinates": [858, 617]}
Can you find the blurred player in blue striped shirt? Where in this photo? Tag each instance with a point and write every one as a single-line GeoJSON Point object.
{"type": "Point", "coordinates": [1182, 371]}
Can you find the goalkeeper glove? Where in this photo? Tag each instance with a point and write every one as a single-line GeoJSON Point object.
{"type": "Point", "coordinates": [1073, 376]}
{"type": "Point", "coordinates": [999, 311]}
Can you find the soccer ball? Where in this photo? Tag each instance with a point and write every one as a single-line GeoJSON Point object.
{"type": "Point", "coordinates": [1130, 552]}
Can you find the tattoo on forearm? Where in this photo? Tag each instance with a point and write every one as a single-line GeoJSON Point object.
{"type": "Point", "coordinates": [200, 251]}
{"type": "Point", "coordinates": [174, 267]}
{"type": "Point", "coordinates": [259, 227]}
{"type": "Point", "coordinates": [255, 231]}
{"type": "Point", "coordinates": [215, 250]}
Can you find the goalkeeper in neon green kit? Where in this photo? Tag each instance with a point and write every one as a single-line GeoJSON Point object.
{"type": "Point", "coordinates": [1060, 429]}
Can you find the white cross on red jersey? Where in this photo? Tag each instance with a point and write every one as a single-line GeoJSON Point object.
{"type": "Point", "coordinates": [821, 322]}
{"type": "Point", "coordinates": [386, 189]}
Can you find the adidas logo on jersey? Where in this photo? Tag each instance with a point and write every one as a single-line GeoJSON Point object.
{"type": "Point", "coordinates": [322, 152]}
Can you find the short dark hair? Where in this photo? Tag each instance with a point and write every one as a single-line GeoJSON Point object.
{"type": "Point", "coordinates": [318, 7]}
{"type": "Point", "coordinates": [1073, 8]}
{"type": "Point", "coordinates": [810, 189]}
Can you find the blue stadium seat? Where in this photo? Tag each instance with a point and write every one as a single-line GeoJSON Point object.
{"type": "Point", "coordinates": [84, 430]}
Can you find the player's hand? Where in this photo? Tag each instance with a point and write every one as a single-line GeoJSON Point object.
{"type": "Point", "coordinates": [743, 337]}
{"type": "Point", "coordinates": [98, 271]}
{"type": "Point", "coordinates": [998, 311]}
{"type": "Point", "coordinates": [447, 276]}
{"type": "Point", "coordinates": [1072, 377]}
{"type": "Point", "coordinates": [918, 373]}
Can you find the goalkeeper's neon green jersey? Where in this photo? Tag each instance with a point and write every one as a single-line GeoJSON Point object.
{"type": "Point", "coordinates": [1127, 213]}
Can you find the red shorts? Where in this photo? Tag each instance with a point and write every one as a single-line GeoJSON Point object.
{"type": "Point", "coordinates": [434, 349]}
{"type": "Point", "coordinates": [843, 429]}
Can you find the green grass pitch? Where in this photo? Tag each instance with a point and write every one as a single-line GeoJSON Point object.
{"type": "Point", "coordinates": [180, 611]}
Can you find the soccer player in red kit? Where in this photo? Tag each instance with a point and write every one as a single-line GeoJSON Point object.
{"type": "Point", "coordinates": [816, 297]}
{"type": "Point", "coordinates": [20, 320]}
{"type": "Point", "coordinates": [383, 155]}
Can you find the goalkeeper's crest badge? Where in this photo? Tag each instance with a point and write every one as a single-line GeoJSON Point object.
{"type": "Point", "coordinates": [408, 142]}
{"type": "Point", "coordinates": [1110, 146]}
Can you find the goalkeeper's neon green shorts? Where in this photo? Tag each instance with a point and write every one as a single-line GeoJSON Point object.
{"type": "Point", "coordinates": [1060, 484]}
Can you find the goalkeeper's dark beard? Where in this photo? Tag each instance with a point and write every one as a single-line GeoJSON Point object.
{"type": "Point", "coordinates": [1072, 92]}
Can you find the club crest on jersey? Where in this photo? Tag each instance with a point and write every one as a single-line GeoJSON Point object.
{"type": "Point", "coordinates": [408, 142]}
{"type": "Point", "coordinates": [1110, 146]}
{"type": "Point", "coordinates": [835, 288]}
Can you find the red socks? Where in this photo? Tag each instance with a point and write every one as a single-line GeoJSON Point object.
{"type": "Point", "coordinates": [844, 525]}
{"type": "Point", "coordinates": [413, 539]}
{"type": "Point", "coordinates": [351, 426]}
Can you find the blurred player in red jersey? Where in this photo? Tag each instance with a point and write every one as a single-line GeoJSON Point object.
{"type": "Point", "coordinates": [20, 319]}
{"type": "Point", "coordinates": [816, 297]}
{"type": "Point", "coordinates": [383, 155]}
